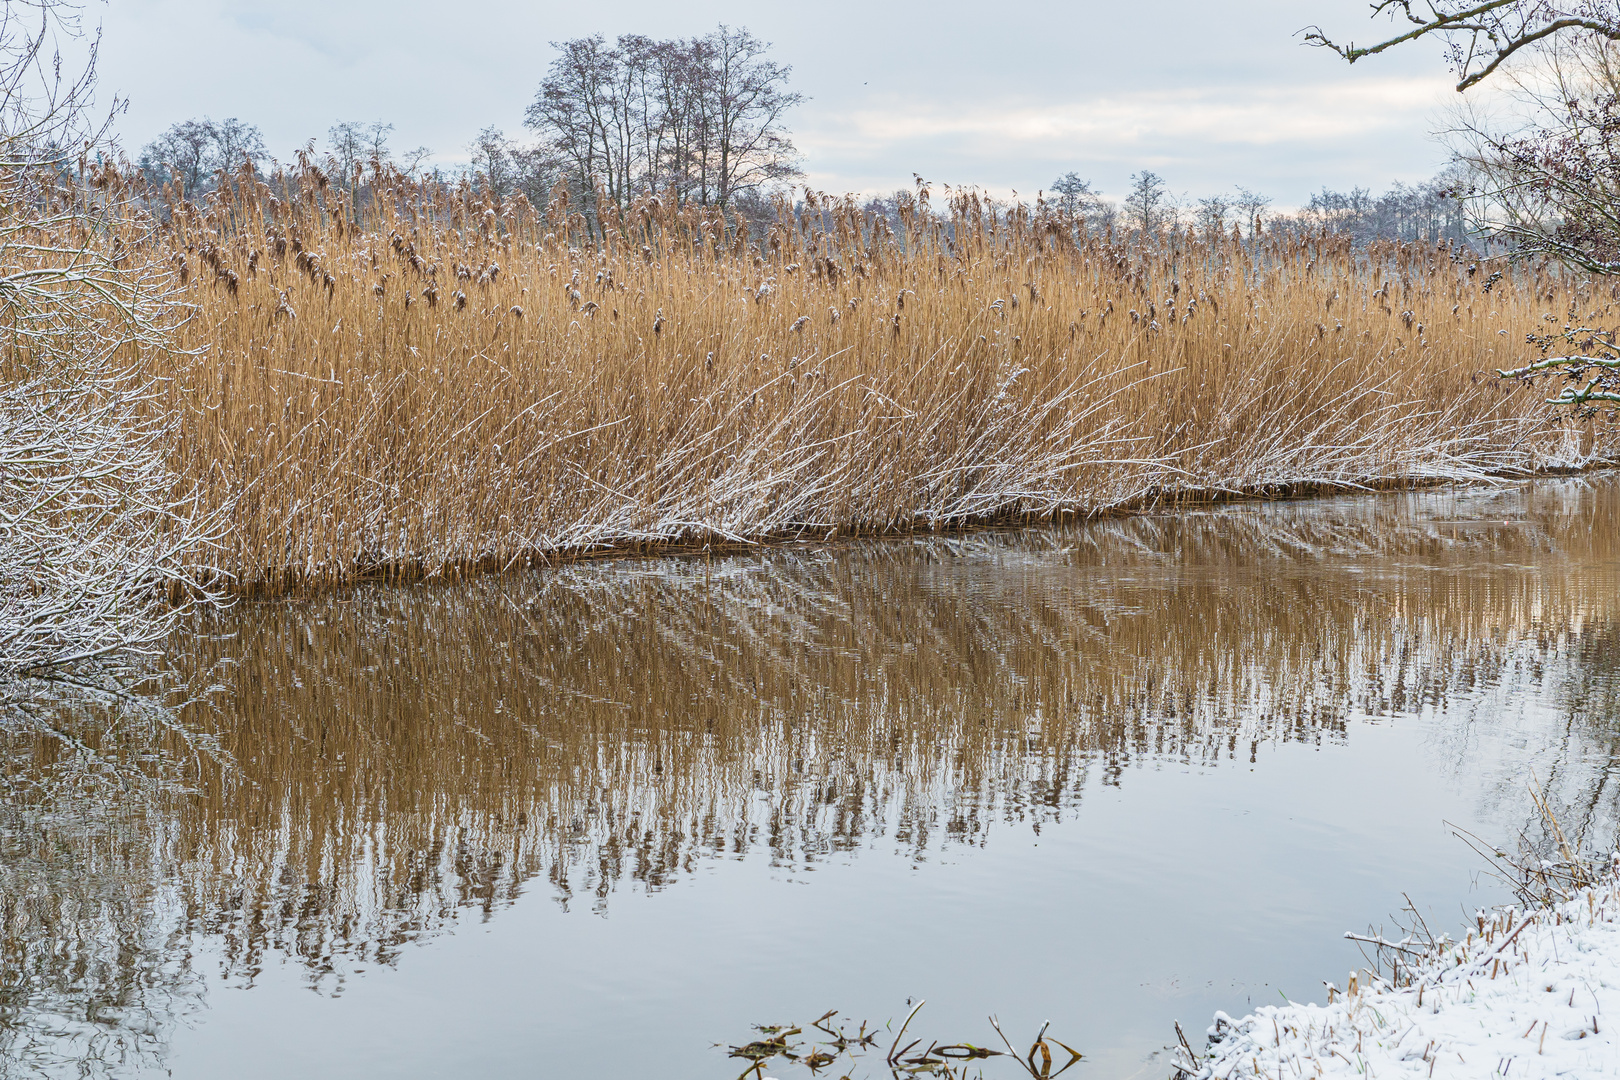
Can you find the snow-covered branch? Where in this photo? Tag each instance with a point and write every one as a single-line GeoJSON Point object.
{"type": "Point", "coordinates": [96, 531]}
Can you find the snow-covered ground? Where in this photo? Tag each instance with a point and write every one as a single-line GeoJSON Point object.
{"type": "Point", "coordinates": [1529, 994]}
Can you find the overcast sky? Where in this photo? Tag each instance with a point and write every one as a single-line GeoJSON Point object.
{"type": "Point", "coordinates": [1209, 95]}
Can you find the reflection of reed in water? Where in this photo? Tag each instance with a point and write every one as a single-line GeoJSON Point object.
{"type": "Point", "coordinates": [96, 964]}
{"type": "Point", "coordinates": [406, 754]}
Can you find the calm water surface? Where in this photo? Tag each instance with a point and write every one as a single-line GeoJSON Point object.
{"type": "Point", "coordinates": [588, 822]}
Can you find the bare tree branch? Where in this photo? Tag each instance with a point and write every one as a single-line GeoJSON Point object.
{"type": "Point", "coordinates": [1480, 37]}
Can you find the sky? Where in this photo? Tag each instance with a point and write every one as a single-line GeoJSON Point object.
{"type": "Point", "coordinates": [1006, 97]}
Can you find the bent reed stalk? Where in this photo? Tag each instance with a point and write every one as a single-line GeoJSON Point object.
{"type": "Point", "coordinates": [392, 378]}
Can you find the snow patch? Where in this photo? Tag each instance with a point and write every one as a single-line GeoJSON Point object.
{"type": "Point", "coordinates": [1530, 993]}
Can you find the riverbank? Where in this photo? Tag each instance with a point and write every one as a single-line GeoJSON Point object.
{"type": "Point", "coordinates": [1532, 992]}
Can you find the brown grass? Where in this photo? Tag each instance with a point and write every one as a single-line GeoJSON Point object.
{"type": "Point", "coordinates": [415, 382]}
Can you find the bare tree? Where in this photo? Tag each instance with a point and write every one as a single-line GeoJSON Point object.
{"type": "Point", "coordinates": [490, 150]}
{"type": "Point", "coordinates": [1149, 207]}
{"type": "Point", "coordinates": [193, 149]}
{"type": "Point", "coordinates": [353, 143]}
{"type": "Point", "coordinates": [1250, 206]}
{"type": "Point", "coordinates": [1073, 195]}
{"type": "Point", "coordinates": [572, 110]}
{"type": "Point", "coordinates": [700, 119]}
{"type": "Point", "coordinates": [1076, 198]}
{"type": "Point", "coordinates": [1548, 182]}
{"type": "Point", "coordinates": [184, 149]}
{"type": "Point", "coordinates": [236, 142]}
{"type": "Point", "coordinates": [742, 143]}
{"type": "Point", "coordinates": [507, 167]}
{"type": "Point", "coordinates": [412, 160]}
{"type": "Point", "coordinates": [1211, 213]}
{"type": "Point", "coordinates": [679, 84]}
{"type": "Point", "coordinates": [1550, 186]}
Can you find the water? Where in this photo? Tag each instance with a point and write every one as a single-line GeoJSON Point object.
{"type": "Point", "coordinates": [593, 820]}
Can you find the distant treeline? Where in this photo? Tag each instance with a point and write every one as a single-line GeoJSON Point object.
{"type": "Point", "coordinates": [701, 121]}
{"type": "Point", "coordinates": [698, 120]}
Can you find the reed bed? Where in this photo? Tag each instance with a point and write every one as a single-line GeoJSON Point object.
{"type": "Point", "coordinates": [381, 378]}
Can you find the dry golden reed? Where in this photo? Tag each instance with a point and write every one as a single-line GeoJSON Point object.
{"type": "Point", "coordinates": [387, 378]}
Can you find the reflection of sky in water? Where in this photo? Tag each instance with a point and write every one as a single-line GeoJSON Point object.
{"type": "Point", "coordinates": [1113, 775]}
